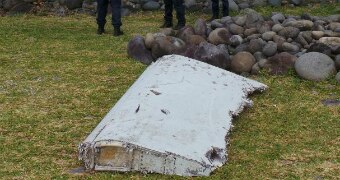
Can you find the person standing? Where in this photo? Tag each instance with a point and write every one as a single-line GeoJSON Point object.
{"type": "Point", "coordinates": [180, 13]}
{"type": "Point", "coordinates": [216, 9]}
{"type": "Point", "coordinates": [116, 16]}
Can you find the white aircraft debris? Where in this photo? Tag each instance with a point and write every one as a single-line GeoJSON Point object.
{"type": "Point", "coordinates": [173, 120]}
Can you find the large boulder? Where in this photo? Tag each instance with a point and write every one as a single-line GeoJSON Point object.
{"type": "Point", "coordinates": [233, 6]}
{"type": "Point", "coordinates": [214, 55]}
{"type": "Point", "coordinates": [280, 63]}
{"type": "Point", "coordinates": [315, 66]}
{"type": "Point", "coordinates": [137, 50]}
{"type": "Point", "coordinates": [242, 62]}
{"type": "Point", "coordinates": [219, 36]}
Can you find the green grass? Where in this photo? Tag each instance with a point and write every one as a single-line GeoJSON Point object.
{"type": "Point", "coordinates": [58, 79]}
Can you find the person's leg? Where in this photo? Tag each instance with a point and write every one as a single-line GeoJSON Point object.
{"type": "Point", "coordinates": [225, 4]}
{"type": "Point", "coordinates": [215, 9]}
{"type": "Point", "coordinates": [167, 14]}
{"type": "Point", "coordinates": [101, 15]}
{"type": "Point", "coordinates": [180, 13]}
{"type": "Point", "coordinates": [116, 16]}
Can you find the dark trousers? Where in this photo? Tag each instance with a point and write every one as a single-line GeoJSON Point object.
{"type": "Point", "coordinates": [102, 11]}
{"type": "Point", "coordinates": [216, 8]}
{"type": "Point", "coordinates": [180, 11]}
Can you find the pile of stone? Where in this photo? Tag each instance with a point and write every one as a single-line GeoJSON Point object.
{"type": "Point", "coordinates": [248, 43]}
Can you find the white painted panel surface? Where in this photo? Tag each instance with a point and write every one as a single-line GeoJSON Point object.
{"type": "Point", "coordinates": [178, 108]}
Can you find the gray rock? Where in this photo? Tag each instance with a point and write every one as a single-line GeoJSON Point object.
{"type": "Point", "coordinates": [337, 62]}
{"type": "Point", "coordinates": [185, 33]}
{"type": "Point", "coordinates": [336, 49]}
{"type": "Point", "coordinates": [317, 34]}
{"type": "Point", "coordinates": [307, 35]}
{"type": "Point", "coordinates": [303, 25]}
{"type": "Point", "coordinates": [264, 26]}
{"type": "Point", "coordinates": [280, 63]}
{"type": "Point", "coordinates": [22, 7]}
{"type": "Point", "coordinates": [321, 48]}
{"type": "Point", "coordinates": [337, 77]}
{"type": "Point", "coordinates": [233, 6]}
{"type": "Point", "coordinates": [253, 18]}
{"type": "Point", "coordinates": [226, 20]}
{"type": "Point", "coordinates": [289, 32]}
{"type": "Point", "coordinates": [270, 49]}
{"type": "Point", "coordinates": [331, 33]}
{"type": "Point", "coordinates": [189, 3]}
{"type": "Point", "coordinates": [195, 40]}
{"type": "Point", "coordinates": [236, 29]}
{"type": "Point", "coordinates": [337, 30]}
{"type": "Point", "coordinates": [137, 50]}
{"type": "Point", "coordinates": [291, 48]}
{"type": "Point", "coordinates": [301, 40]}
{"type": "Point", "coordinates": [274, 2]}
{"type": "Point", "coordinates": [333, 41]}
{"type": "Point", "coordinates": [255, 45]}
{"type": "Point", "coordinates": [278, 18]}
{"type": "Point", "coordinates": [151, 6]}
{"type": "Point", "coordinates": [259, 3]}
{"type": "Point", "coordinates": [216, 24]}
{"type": "Point", "coordinates": [306, 16]}
{"type": "Point", "coordinates": [255, 69]}
{"type": "Point", "coordinates": [200, 27]}
{"type": "Point", "coordinates": [213, 55]}
{"type": "Point", "coordinates": [277, 27]}
{"type": "Point", "coordinates": [263, 62]}
{"type": "Point", "coordinates": [315, 66]}
{"type": "Point", "coordinates": [279, 40]}
{"type": "Point", "coordinates": [219, 36]}
{"type": "Point", "coordinates": [334, 25]}
{"type": "Point", "coordinates": [242, 62]}
{"type": "Point", "coordinates": [167, 31]}
{"type": "Point", "coordinates": [239, 20]}
{"type": "Point", "coordinates": [258, 56]}
{"type": "Point", "coordinates": [253, 36]}
{"type": "Point", "coordinates": [268, 36]}
{"type": "Point", "coordinates": [74, 4]}
{"type": "Point", "coordinates": [235, 40]}
{"type": "Point", "coordinates": [149, 40]}
{"type": "Point", "coordinates": [167, 45]}
{"type": "Point", "coordinates": [250, 31]}
{"type": "Point", "coordinates": [241, 47]}
{"type": "Point", "coordinates": [244, 5]}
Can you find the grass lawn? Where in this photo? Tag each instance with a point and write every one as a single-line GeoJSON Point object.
{"type": "Point", "coordinates": [58, 79]}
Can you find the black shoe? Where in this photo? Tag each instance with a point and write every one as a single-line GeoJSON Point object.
{"type": "Point", "coordinates": [179, 26]}
{"type": "Point", "coordinates": [117, 32]}
{"type": "Point", "coordinates": [100, 30]}
{"type": "Point", "coordinates": [166, 25]}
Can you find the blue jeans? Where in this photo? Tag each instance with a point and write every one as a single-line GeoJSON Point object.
{"type": "Point", "coordinates": [102, 11]}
